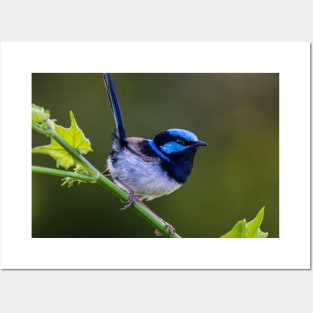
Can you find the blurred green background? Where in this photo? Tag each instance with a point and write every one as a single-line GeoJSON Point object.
{"type": "Point", "coordinates": [237, 114]}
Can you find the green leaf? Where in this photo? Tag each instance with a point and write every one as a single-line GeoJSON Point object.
{"type": "Point", "coordinates": [74, 137]}
{"type": "Point", "coordinates": [252, 229]}
{"type": "Point", "coordinates": [254, 225]}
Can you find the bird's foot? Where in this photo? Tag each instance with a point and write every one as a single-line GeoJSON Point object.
{"type": "Point", "coordinates": [132, 199]}
{"type": "Point", "coordinates": [169, 227]}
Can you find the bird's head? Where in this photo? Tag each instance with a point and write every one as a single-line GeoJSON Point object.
{"type": "Point", "coordinates": [177, 140]}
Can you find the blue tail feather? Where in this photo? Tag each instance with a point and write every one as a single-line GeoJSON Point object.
{"type": "Point", "coordinates": [115, 106]}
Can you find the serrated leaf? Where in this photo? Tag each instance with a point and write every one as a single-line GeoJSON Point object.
{"type": "Point", "coordinates": [252, 229]}
{"type": "Point", "coordinates": [61, 156]}
{"type": "Point", "coordinates": [74, 137]}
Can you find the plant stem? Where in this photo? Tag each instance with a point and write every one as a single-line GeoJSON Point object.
{"type": "Point", "coordinates": [61, 173]}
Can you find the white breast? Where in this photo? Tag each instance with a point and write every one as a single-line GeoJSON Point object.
{"type": "Point", "coordinates": [147, 179]}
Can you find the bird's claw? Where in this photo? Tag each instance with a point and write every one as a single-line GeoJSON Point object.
{"type": "Point", "coordinates": [131, 200]}
{"type": "Point", "coordinates": [169, 227]}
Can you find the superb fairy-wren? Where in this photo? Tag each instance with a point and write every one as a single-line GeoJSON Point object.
{"type": "Point", "coordinates": [149, 168]}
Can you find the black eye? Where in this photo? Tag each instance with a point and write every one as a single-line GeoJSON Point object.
{"type": "Point", "coordinates": [181, 141]}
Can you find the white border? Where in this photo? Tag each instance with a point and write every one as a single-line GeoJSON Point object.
{"type": "Point", "coordinates": [291, 250]}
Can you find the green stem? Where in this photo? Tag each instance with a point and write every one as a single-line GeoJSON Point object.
{"type": "Point", "coordinates": [61, 173]}
{"type": "Point", "coordinates": [96, 176]}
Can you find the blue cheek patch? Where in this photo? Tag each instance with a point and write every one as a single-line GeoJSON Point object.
{"type": "Point", "coordinates": [172, 147]}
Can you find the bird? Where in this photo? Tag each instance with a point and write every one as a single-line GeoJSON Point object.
{"type": "Point", "coordinates": [148, 168]}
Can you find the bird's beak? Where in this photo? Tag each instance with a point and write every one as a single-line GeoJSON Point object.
{"type": "Point", "coordinates": [200, 143]}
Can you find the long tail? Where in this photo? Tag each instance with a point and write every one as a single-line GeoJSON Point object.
{"type": "Point", "coordinates": [116, 108]}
